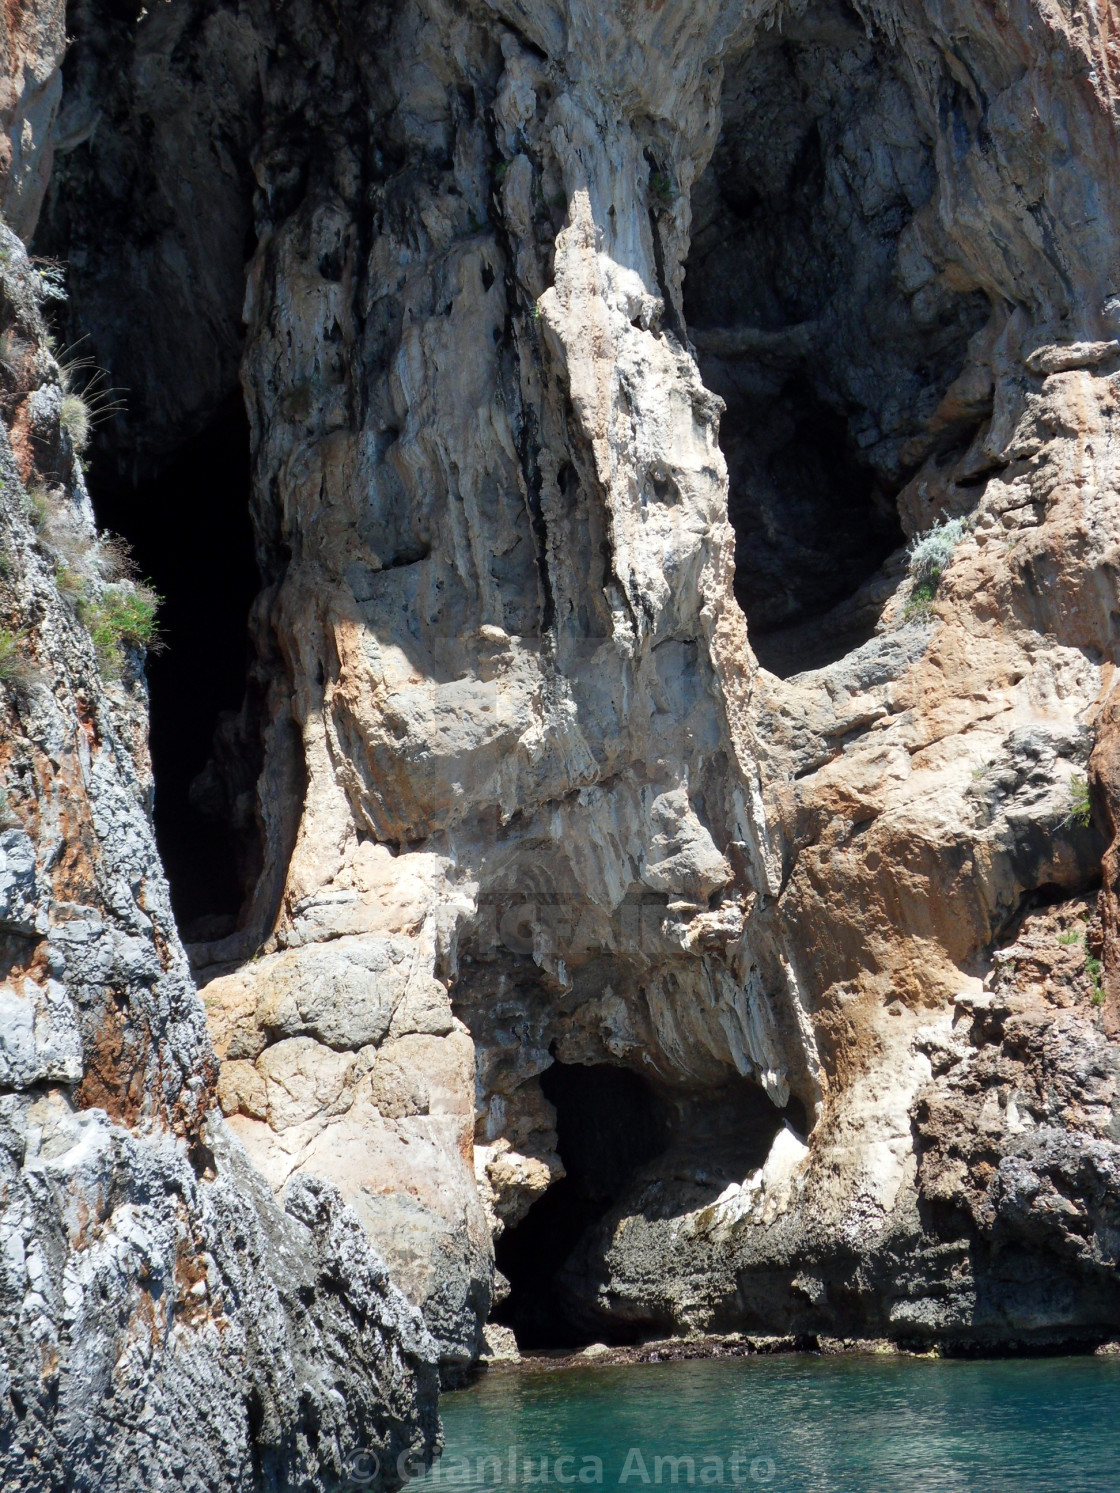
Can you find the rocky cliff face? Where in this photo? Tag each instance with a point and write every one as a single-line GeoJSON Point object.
{"type": "Point", "coordinates": [166, 1321]}
{"type": "Point", "coordinates": [648, 862]}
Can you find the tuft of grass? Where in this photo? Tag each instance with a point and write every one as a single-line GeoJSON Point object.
{"type": "Point", "coordinates": [1070, 938]}
{"type": "Point", "coordinates": [1080, 807]}
{"type": "Point", "coordinates": [124, 616]}
{"type": "Point", "coordinates": [87, 396]}
{"type": "Point", "coordinates": [77, 420]}
{"type": "Point", "coordinates": [15, 665]}
{"type": "Point", "coordinates": [70, 582]}
{"type": "Point", "coordinates": [39, 507]}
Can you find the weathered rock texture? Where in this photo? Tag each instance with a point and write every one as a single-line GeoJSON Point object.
{"type": "Point", "coordinates": [165, 1322]}
{"type": "Point", "coordinates": [541, 293]}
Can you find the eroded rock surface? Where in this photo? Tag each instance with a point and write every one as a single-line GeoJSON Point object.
{"type": "Point", "coordinates": [166, 1321]}
{"type": "Point", "coordinates": [540, 295]}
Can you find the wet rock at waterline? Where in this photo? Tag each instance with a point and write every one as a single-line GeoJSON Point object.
{"type": "Point", "coordinates": [648, 857]}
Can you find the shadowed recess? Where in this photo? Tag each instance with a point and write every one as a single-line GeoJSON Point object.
{"type": "Point", "coordinates": [608, 1123]}
{"type": "Point", "coordinates": [806, 302]}
{"type": "Point", "coordinates": [628, 1143]}
{"type": "Point", "coordinates": [190, 533]}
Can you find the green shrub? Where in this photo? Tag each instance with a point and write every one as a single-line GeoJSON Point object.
{"type": "Point", "coordinates": [662, 188]}
{"type": "Point", "coordinates": [919, 604]}
{"type": "Point", "coordinates": [1080, 807]}
{"type": "Point", "coordinates": [122, 617]}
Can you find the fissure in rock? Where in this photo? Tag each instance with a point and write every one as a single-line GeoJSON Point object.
{"type": "Point", "coordinates": [189, 528]}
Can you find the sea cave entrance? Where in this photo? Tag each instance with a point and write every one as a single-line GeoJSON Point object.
{"type": "Point", "coordinates": [622, 1139]}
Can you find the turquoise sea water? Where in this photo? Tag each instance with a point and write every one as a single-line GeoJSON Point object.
{"type": "Point", "coordinates": [796, 1424]}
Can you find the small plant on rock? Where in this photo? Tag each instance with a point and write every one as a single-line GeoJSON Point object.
{"type": "Point", "coordinates": [39, 507]}
{"type": "Point", "coordinates": [87, 397]}
{"type": "Point", "coordinates": [12, 349]}
{"type": "Point", "coordinates": [113, 558]}
{"type": "Point", "coordinates": [124, 616]}
{"type": "Point", "coordinates": [70, 582]}
{"type": "Point", "coordinates": [49, 279]}
{"type": "Point", "coordinates": [1080, 807]}
{"type": "Point", "coordinates": [76, 420]}
{"type": "Point", "coordinates": [1093, 970]}
{"type": "Point", "coordinates": [930, 554]}
{"type": "Point", "coordinates": [662, 189]}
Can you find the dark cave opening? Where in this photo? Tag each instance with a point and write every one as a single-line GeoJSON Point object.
{"type": "Point", "coordinates": [820, 316]}
{"type": "Point", "coordinates": [616, 1130]}
{"type": "Point", "coordinates": [190, 532]}
{"type": "Point", "coordinates": [812, 523]}
{"type": "Point", "coordinates": [608, 1122]}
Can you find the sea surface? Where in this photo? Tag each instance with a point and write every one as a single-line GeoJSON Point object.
{"type": "Point", "coordinates": [796, 1424]}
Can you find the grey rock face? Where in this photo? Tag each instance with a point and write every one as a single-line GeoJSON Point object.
{"type": "Point", "coordinates": [165, 1321]}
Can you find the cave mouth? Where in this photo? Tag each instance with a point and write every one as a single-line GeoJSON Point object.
{"type": "Point", "coordinates": [189, 528]}
{"type": "Point", "coordinates": [819, 303]}
{"type": "Point", "coordinates": [615, 1128]}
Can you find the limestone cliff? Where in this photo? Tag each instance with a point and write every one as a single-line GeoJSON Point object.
{"type": "Point", "coordinates": [165, 1320]}
{"type": "Point", "coordinates": [623, 786]}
